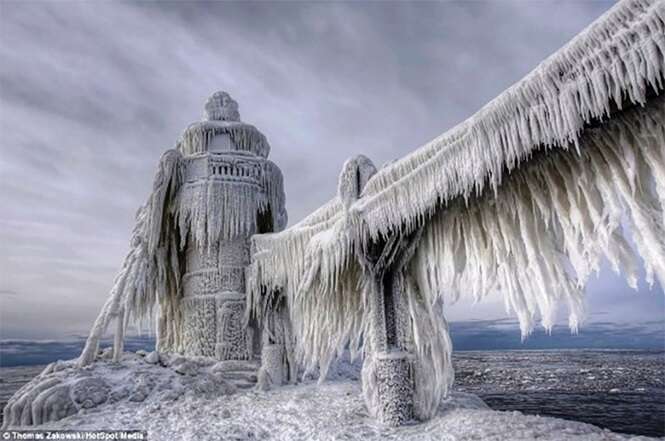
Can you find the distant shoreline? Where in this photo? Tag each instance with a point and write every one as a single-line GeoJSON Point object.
{"type": "Point", "coordinates": [467, 336]}
{"type": "Point", "coordinates": [37, 358]}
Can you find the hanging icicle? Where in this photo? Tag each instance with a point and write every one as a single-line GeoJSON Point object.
{"type": "Point", "coordinates": [150, 272]}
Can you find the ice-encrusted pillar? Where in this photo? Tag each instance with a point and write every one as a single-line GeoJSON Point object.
{"type": "Point", "coordinates": [389, 367]}
{"type": "Point", "coordinates": [230, 191]}
{"type": "Point", "coordinates": [389, 381]}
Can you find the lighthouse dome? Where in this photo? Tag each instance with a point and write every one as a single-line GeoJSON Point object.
{"type": "Point", "coordinates": [222, 119]}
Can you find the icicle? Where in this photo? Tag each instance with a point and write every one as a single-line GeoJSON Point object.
{"type": "Point", "coordinates": [119, 338]}
{"type": "Point", "coordinates": [146, 274]}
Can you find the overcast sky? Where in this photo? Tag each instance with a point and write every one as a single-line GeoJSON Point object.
{"type": "Point", "coordinates": [92, 93]}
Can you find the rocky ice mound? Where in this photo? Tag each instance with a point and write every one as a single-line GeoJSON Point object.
{"type": "Point", "coordinates": [63, 389]}
{"type": "Point", "coordinates": [175, 397]}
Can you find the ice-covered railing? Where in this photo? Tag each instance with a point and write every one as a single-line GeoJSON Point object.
{"type": "Point", "coordinates": [524, 198]}
{"type": "Point", "coordinates": [211, 212]}
{"type": "Point", "coordinates": [548, 226]}
{"type": "Point", "coordinates": [616, 61]}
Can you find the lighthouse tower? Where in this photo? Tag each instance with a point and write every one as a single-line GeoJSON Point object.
{"type": "Point", "coordinates": [229, 191]}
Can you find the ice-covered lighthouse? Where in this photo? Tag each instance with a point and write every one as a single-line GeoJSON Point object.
{"type": "Point", "coordinates": [230, 191]}
{"type": "Point", "coordinates": [190, 246]}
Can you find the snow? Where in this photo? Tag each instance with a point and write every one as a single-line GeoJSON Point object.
{"type": "Point", "coordinates": [333, 410]}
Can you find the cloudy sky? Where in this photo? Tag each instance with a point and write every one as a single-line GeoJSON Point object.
{"type": "Point", "coordinates": [91, 93]}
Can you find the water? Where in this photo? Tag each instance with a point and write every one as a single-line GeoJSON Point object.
{"type": "Point", "coordinates": [634, 413]}
{"type": "Point", "coordinates": [623, 391]}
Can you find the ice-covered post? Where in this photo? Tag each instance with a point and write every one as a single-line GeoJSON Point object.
{"type": "Point", "coordinates": [388, 371]}
{"type": "Point", "coordinates": [278, 365]}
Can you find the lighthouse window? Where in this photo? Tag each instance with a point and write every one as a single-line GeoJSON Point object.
{"type": "Point", "coordinates": [220, 143]}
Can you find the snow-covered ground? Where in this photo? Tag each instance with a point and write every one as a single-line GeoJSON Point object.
{"type": "Point", "coordinates": [332, 411]}
{"type": "Point", "coordinates": [208, 407]}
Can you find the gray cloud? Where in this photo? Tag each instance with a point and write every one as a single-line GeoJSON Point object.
{"type": "Point", "coordinates": [92, 93]}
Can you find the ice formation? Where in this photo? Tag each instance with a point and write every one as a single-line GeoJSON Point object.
{"type": "Point", "coordinates": [524, 198]}
{"type": "Point", "coordinates": [63, 389]}
{"type": "Point", "coordinates": [190, 245]}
